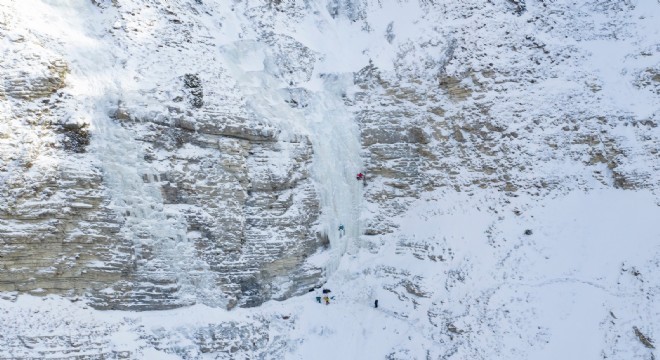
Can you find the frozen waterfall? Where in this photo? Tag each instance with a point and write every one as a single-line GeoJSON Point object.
{"type": "Point", "coordinates": [324, 120]}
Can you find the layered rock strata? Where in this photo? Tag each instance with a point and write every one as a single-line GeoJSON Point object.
{"type": "Point", "coordinates": [478, 107]}
{"type": "Point", "coordinates": [184, 203]}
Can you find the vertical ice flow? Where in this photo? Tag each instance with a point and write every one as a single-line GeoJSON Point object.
{"type": "Point", "coordinates": [336, 163]}
{"type": "Point", "coordinates": [327, 123]}
{"type": "Point", "coordinates": [96, 82]}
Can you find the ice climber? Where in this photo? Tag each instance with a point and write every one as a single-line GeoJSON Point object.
{"type": "Point", "coordinates": [363, 178]}
{"type": "Point", "coordinates": [342, 231]}
{"type": "Point", "coordinates": [326, 299]}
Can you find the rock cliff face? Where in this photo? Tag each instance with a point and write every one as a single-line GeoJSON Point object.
{"type": "Point", "coordinates": [58, 233]}
{"type": "Point", "coordinates": [191, 200]}
{"type": "Point", "coordinates": [198, 155]}
{"type": "Point", "coordinates": [477, 108]}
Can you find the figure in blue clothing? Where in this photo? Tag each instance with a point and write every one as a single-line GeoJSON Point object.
{"type": "Point", "coordinates": [342, 231]}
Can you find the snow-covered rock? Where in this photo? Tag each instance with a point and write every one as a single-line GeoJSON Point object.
{"type": "Point", "coordinates": [147, 195]}
{"type": "Point", "coordinates": [194, 158]}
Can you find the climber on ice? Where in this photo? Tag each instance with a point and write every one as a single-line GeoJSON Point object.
{"type": "Point", "coordinates": [362, 177]}
{"type": "Point", "coordinates": [342, 231]}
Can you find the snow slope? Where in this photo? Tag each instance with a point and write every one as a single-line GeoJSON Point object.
{"type": "Point", "coordinates": [574, 288]}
